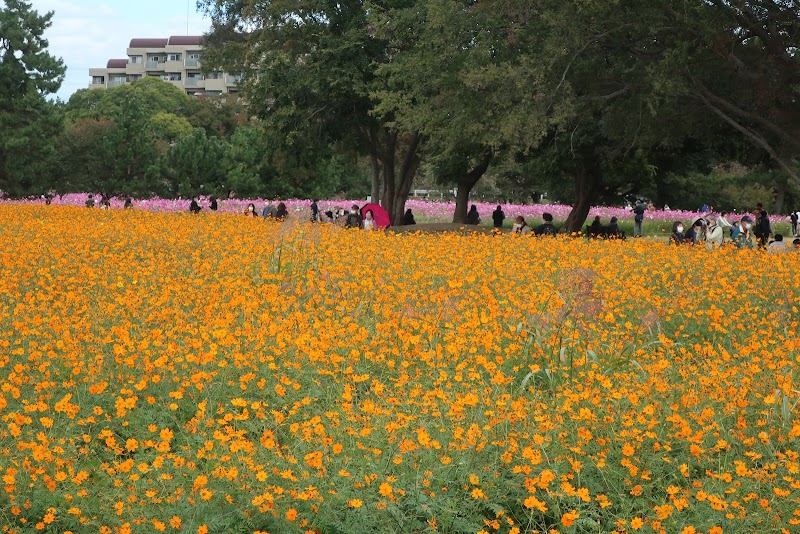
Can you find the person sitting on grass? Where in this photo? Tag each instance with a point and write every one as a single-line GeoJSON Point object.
{"type": "Point", "coordinates": [612, 230]}
{"type": "Point", "coordinates": [596, 228]}
{"type": "Point", "coordinates": [740, 233]}
{"type": "Point", "coordinates": [369, 221]}
{"type": "Point", "coordinates": [520, 226]}
{"type": "Point", "coordinates": [714, 235]}
{"type": "Point", "coordinates": [677, 237]}
{"type": "Point", "coordinates": [778, 245]}
{"type": "Point", "coordinates": [408, 218]}
{"type": "Point", "coordinates": [546, 228]}
{"type": "Point", "coordinates": [796, 243]}
{"type": "Point", "coordinates": [353, 219]}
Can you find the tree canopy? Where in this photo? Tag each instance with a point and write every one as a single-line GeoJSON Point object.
{"type": "Point", "coordinates": [28, 73]}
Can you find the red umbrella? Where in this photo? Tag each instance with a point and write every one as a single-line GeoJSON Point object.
{"type": "Point", "coordinates": [379, 214]}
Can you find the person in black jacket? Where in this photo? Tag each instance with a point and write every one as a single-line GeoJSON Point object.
{"type": "Point", "coordinates": [546, 228]}
{"type": "Point", "coordinates": [353, 218]}
{"type": "Point", "coordinates": [212, 203]}
{"type": "Point", "coordinates": [194, 207]}
{"type": "Point", "coordinates": [473, 217]}
{"type": "Point", "coordinates": [763, 229]}
{"type": "Point", "coordinates": [596, 228]}
{"type": "Point", "coordinates": [498, 217]}
{"type": "Point", "coordinates": [408, 218]}
{"type": "Point", "coordinates": [281, 212]}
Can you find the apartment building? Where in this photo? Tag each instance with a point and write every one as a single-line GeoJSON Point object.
{"type": "Point", "coordinates": [176, 60]}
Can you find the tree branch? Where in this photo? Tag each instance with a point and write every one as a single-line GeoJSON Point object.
{"type": "Point", "coordinates": [753, 136]}
{"type": "Point", "coordinates": [769, 125]}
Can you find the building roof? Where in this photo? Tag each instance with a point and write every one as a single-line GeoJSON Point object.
{"type": "Point", "coordinates": [186, 40]}
{"type": "Point", "coordinates": [117, 63]}
{"type": "Point", "coordinates": [148, 43]}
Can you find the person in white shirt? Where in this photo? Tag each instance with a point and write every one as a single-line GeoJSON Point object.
{"type": "Point", "coordinates": [723, 223]}
{"type": "Point", "coordinates": [713, 233]}
{"type": "Point", "coordinates": [369, 221]}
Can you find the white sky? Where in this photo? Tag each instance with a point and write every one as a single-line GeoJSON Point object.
{"type": "Point", "coordinates": [87, 33]}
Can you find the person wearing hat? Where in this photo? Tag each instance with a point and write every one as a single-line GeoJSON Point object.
{"type": "Point", "coordinates": [713, 233]}
{"type": "Point", "coordinates": [740, 233]}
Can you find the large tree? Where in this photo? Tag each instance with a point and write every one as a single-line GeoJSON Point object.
{"type": "Point", "coordinates": [28, 73]}
{"type": "Point", "coordinates": [309, 72]}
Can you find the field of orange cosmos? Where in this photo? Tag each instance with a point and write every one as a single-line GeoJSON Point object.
{"type": "Point", "coordinates": [165, 373]}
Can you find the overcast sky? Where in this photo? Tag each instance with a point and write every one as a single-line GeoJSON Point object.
{"type": "Point", "coordinates": [87, 33]}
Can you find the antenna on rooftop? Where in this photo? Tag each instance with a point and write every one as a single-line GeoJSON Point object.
{"type": "Point", "coordinates": [188, 3]}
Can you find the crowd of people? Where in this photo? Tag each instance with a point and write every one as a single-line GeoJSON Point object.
{"type": "Point", "coordinates": [711, 230]}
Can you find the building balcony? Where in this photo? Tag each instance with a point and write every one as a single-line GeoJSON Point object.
{"type": "Point", "coordinates": [232, 79]}
{"type": "Point", "coordinates": [194, 82]}
{"type": "Point", "coordinates": [116, 83]}
{"type": "Point", "coordinates": [192, 62]}
{"type": "Point", "coordinates": [153, 65]}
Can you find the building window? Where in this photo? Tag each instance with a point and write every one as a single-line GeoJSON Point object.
{"type": "Point", "coordinates": [172, 77]}
{"type": "Point", "coordinates": [213, 93]}
{"type": "Point", "coordinates": [175, 57]}
{"type": "Point", "coordinates": [192, 59]}
{"type": "Point", "coordinates": [215, 76]}
{"type": "Point", "coordinates": [134, 77]}
{"type": "Point", "coordinates": [98, 80]}
{"type": "Point", "coordinates": [135, 60]}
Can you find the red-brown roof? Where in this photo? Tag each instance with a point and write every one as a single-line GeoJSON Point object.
{"type": "Point", "coordinates": [148, 43]}
{"type": "Point", "coordinates": [186, 40]}
{"type": "Point", "coordinates": [117, 63]}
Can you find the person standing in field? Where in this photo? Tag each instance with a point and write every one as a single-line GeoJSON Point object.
{"type": "Point", "coordinates": [638, 218]}
{"type": "Point", "coordinates": [473, 217]}
{"type": "Point", "coordinates": [212, 203]}
{"type": "Point", "coordinates": [722, 222]}
{"type": "Point", "coordinates": [408, 218]}
{"type": "Point", "coordinates": [740, 234]}
{"type": "Point", "coordinates": [793, 218]}
{"type": "Point", "coordinates": [547, 227]}
{"type": "Point", "coordinates": [90, 201]}
{"type": "Point", "coordinates": [251, 211]}
{"type": "Point", "coordinates": [763, 229]}
{"type": "Point", "coordinates": [314, 210]}
{"type": "Point", "coordinates": [194, 207]}
{"type": "Point", "coordinates": [270, 211]}
{"type": "Point", "coordinates": [498, 217]}
{"type": "Point", "coordinates": [281, 213]}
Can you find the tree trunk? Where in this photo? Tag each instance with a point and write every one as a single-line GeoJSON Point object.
{"type": "Point", "coordinates": [587, 182]}
{"type": "Point", "coordinates": [465, 184]}
{"type": "Point", "coordinates": [397, 182]}
{"type": "Point", "coordinates": [780, 196]}
{"type": "Point", "coordinates": [375, 191]}
{"type": "Point", "coordinates": [462, 200]}
{"type": "Point", "coordinates": [375, 166]}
